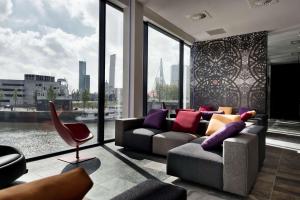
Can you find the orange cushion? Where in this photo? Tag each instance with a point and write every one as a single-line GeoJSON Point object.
{"type": "Point", "coordinates": [227, 110]}
{"type": "Point", "coordinates": [72, 185]}
{"type": "Point", "coordinates": [253, 112]}
{"type": "Point", "coordinates": [219, 121]}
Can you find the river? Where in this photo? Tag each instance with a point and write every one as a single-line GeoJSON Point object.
{"type": "Point", "coordinates": [35, 139]}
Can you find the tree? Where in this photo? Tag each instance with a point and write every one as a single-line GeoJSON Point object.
{"type": "Point", "coordinates": [76, 95]}
{"type": "Point", "coordinates": [85, 97]}
{"type": "Point", "coordinates": [15, 96]}
{"type": "Point", "coordinates": [51, 95]}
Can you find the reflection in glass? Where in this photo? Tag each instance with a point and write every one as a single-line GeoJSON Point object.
{"type": "Point", "coordinates": [163, 71]}
{"type": "Point", "coordinates": [113, 70]}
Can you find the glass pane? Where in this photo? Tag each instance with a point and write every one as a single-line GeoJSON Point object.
{"type": "Point", "coordinates": [49, 51]}
{"type": "Point", "coordinates": [163, 71]}
{"type": "Point", "coordinates": [113, 70]}
{"type": "Point", "coordinates": [186, 76]}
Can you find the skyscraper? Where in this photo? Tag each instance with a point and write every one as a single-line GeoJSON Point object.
{"type": "Point", "coordinates": [112, 69]}
{"type": "Point", "coordinates": [87, 83]}
{"type": "Point", "coordinates": [84, 80]}
{"type": "Point", "coordinates": [82, 72]}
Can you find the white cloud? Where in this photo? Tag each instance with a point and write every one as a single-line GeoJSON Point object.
{"type": "Point", "coordinates": [55, 53]}
{"type": "Point", "coordinates": [86, 10]}
{"type": "Point", "coordinates": [5, 9]}
{"type": "Point", "coordinates": [41, 43]}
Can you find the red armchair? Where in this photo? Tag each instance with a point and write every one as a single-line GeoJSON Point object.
{"type": "Point", "coordinates": [74, 134]}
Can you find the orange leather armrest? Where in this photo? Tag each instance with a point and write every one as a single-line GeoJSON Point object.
{"type": "Point", "coordinates": [72, 185]}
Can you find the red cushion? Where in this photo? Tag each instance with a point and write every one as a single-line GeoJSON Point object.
{"type": "Point", "coordinates": [186, 121]}
{"type": "Point", "coordinates": [205, 108]}
{"type": "Point", "coordinates": [186, 109]}
{"type": "Point", "coordinates": [245, 116]}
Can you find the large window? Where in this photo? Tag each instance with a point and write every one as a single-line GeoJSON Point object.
{"type": "Point", "coordinates": [163, 70]}
{"type": "Point", "coordinates": [49, 51]}
{"type": "Point", "coordinates": [113, 70]}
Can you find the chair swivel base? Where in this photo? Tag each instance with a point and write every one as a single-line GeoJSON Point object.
{"type": "Point", "coordinates": [70, 159]}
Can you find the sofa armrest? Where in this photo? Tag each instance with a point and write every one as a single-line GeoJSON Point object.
{"type": "Point", "coordinates": [125, 124]}
{"type": "Point", "coordinates": [240, 159]}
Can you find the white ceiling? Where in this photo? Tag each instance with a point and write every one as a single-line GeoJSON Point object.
{"type": "Point", "coordinates": [237, 17]}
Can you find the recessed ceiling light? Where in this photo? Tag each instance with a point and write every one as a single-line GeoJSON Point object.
{"type": "Point", "coordinates": [260, 3]}
{"type": "Point", "coordinates": [199, 16]}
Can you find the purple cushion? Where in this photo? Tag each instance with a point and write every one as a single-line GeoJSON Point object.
{"type": "Point", "coordinates": [216, 139]}
{"type": "Point", "coordinates": [206, 115]}
{"type": "Point", "coordinates": [243, 110]}
{"type": "Point", "coordinates": [155, 118]}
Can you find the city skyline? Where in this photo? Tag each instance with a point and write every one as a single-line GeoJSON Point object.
{"type": "Point", "coordinates": [57, 34]}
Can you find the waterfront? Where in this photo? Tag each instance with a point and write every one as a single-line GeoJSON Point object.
{"type": "Point", "coordinates": [35, 139]}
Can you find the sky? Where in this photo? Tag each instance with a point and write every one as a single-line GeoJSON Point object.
{"type": "Point", "coordinates": [49, 37]}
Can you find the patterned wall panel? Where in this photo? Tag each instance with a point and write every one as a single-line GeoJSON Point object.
{"type": "Point", "coordinates": [230, 72]}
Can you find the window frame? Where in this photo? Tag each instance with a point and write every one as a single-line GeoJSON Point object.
{"type": "Point", "coordinates": [145, 63]}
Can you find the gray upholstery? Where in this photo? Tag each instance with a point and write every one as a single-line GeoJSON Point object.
{"type": "Point", "coordinates": [165, 141]}
{"type": "Point", "coordinates": [240, 159]}
{"type": "Point", "coordinates": [122, 125]}
{"type": "Point", "coordinates": [140, 139]}
{"type": "Point", "coordinates": [260, 131]}
{"type": "Point", "coordinates": [191, 162]}
{"type": "Point", "coordinates": [153, 190]}
{"type": "Point", "coordinates": [199, 140]}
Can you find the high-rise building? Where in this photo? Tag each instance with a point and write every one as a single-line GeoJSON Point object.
{"type": "Point", "coordinates": [112, 69]}
{"type": "Point", "coordinates": [84, 79]}
{"type": "Point", "coordinates": [174, 75]}
{"type": "Point", "coordinates": [82, 73]}
{"type": "Point", "coordinates": [87, 83]}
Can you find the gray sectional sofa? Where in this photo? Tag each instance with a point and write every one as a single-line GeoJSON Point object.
{"type": "Point", "coordinates": [232, 168]}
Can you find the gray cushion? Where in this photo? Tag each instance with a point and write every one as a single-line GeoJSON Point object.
{"type": "Point", "coordinates": [153, 190]}
{"type": "Point", "coordinates": [140, 138]}
{"type": "Point", "coordinates": [191, 162]}
{"type": "Point", "coordinates": [163, 142]}
{"type": "Point", "coordinates": [8, 158]}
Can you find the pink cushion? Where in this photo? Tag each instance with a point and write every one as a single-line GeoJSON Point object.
{"type": "Point", "coordinates": [205, 108]}
{"type": "Point", "coordinates": [186, 109]}
{"type": "Point", "coordinates": [186, 121]}
{"type": "Point", "coordinates": [245, 116]}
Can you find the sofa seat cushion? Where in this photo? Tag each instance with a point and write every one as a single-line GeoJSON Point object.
{"type": "Point", "coordinates": [140, 138]}
{"type": "Point", "coordinates": [163, 142]}
{"type": "Point", "coordinates": [191, 162]}
{"type": "Point", "coordinates": [4, 160]}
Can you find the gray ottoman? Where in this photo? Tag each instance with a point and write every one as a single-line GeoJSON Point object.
{"type": "Point", "coordinates": [153, 190]}
{"type": "Point", "coordinates": [140, 139]}
{"type": "Point", "coordinates": [190, 162]}
{"type": "Point", "coordinates": [163, 142]}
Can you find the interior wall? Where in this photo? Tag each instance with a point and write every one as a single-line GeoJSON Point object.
{"type": "Point", "coordinates": [230, 71]}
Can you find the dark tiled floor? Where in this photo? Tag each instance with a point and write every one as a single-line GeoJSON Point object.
{"type": "Point", "coordinates": [116, 170]}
